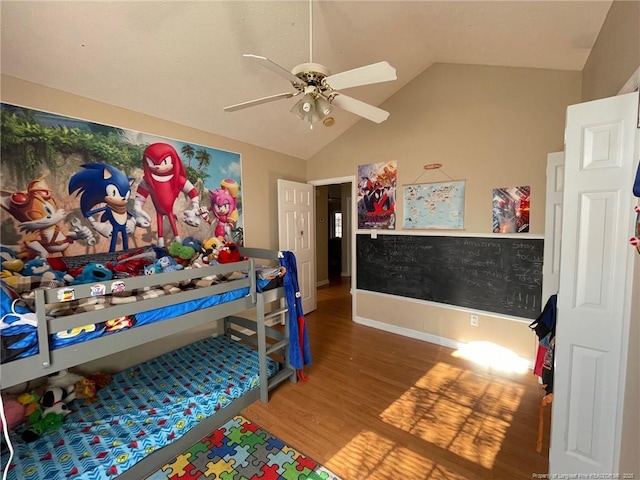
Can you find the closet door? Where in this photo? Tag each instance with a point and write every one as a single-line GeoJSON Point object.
{"type": "Point", "coordinates": [552, 225]}
{"type": "Point", "coordinates": [596, 276]}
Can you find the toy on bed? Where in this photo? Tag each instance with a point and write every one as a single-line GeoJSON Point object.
{"type": "Point", "coordinates": [210, 249]}
{"type": "Point", "coordinates": [162, 265]}
{"type": "Point", "coordinates": [91, 273]}
{"type": "Point", "coordinates": [60, 387]}
{"type": "Point", "coordinates": [44, 420]}
{"type": "Point", "coordinates": [183, 254]}
{"type": "Point", "coordinates": [229, 253]}
{"type": "Point", "coordinates": [131, 264]}
{"type": "Point", "coordinates": [40, 267]}
{"type": "Point", "coordinates": [13, 413]}
{"type": "Point", "coordinates": [11, 266]}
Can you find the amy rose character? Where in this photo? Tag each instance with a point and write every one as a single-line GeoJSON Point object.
{"type": "Point", "coordinates": [164, 178]}
{"type": "Point", "coordinates": [223, 206]}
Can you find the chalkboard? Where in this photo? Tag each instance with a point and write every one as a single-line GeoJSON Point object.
{"type": "Point", "coordinates": [500, 275]}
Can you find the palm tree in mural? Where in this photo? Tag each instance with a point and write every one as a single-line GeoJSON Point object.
{"type": "Point", "coordinates": [188, 151]}
{"type": "Point", "coordinates": [204, 159]}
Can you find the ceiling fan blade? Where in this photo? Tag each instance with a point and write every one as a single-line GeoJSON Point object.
{"type": "Point", "coordinates": [360, 108]}
{"type": "Point", "coordinates": [274, 67]}
{"type": "Point", "coordinates": [374, 73]}
{"type": "Point", "coordinates": [259, 101]}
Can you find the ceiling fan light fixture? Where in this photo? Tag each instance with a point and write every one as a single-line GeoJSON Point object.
{"type": "Point", "coordinates": [323, 107]}
{"type": "Point", "coordinates": [305, 107]}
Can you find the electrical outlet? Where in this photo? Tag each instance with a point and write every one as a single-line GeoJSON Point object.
{"type": "Point", "coordinates": [474, 320]}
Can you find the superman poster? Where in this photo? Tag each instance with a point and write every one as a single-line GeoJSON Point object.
{"type": "Point", "coordinates": [72, 187]}
{"type": "Point", "coordinates": [377, 195]}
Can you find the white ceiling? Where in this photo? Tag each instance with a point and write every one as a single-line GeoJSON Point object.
{"type": "Point", "coordinates": [182, 61]}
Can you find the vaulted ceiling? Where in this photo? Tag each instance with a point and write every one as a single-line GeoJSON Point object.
{"type": "Point", "coordinates": [182, 60]}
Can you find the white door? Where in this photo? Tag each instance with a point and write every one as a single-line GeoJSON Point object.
{"type": "Point", "coordinates": [553, 225]}
{"type": "Point", "coordinates": [296, 227]}
{"type": "Point", "coordinates": [596, 281]}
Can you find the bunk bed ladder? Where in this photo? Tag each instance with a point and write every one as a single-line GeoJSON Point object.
{"type": "Point", "coordinates": [278, 346]}
{"type": "Point", "coordinates": [281, 347]}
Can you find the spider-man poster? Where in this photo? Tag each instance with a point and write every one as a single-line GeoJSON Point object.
{"type": "Point", "coordinates": [377, 195]}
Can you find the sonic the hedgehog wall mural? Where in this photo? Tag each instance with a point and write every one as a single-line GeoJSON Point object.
{"type": "Point", "coordinates": [73, 187]}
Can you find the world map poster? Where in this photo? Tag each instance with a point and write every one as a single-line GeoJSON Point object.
{"type": "Point", "coordinates": [434, 205]}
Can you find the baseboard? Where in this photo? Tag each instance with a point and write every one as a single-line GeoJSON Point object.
{"type": "Point", "coordinates": [322, 282]}
{"type": "Point", "coordinates": [426, 337]}
{"type": "Point", "coordinates": [407, 332]}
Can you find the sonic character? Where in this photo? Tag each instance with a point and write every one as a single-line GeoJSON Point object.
{"type": "Point", "coordinates": [164, 178]}
{"type": "Point", "coordinates": [223, 204]}
{"type": "Point", "coordinates": [38, 215]}
{"type": "Point", "coordinates": [104, 185]}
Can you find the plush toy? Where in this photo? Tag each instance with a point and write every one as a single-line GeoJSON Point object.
{"type": "Point", "coordinates": [60, 387]}
{"type": "Point", "coordinates": [92, 273]}
{"type": "Point", "coordinates": [11, 266]}
{"type": "Point", "coordinates": [43, 421]}
{"type": "Point", "coordinates": [13, 413]}
{"type": "Point", "coordinates": [229, 253]}
{"type": "Point", "coordinates": [182, 253]}
{"type": "Point", "coordinates": [193, 243]}
{"type": "Point", "coordinates": [163, 264]}
{"type": "Point", "coordinates": [100, 379]}
{"type": "Point", "coordinates": [152, 269]}
{"type": "Point", "coordinates": [169, 264]}
{"type": "Point", "coordinates": [30, 402]}
{"type": "Point", "coordinates": [39, 267]}
{"type": "Point", "coordinates": [210, 249]}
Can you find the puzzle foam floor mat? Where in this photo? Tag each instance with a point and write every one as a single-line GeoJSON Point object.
{"type": "Point", "coordinates": [240, 450]}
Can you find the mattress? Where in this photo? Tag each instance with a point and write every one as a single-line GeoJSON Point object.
{"type": "Point", "coordinates": [19, 332]}
{"type": "Point", "coordinates": [143, 409]}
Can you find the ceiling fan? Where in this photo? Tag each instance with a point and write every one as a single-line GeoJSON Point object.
{"type": "Point", "coordinates": [320, 89]}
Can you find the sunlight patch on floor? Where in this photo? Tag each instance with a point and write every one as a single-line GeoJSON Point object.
{"type": "Point", "coordinates": [492, 355]}
{"type": "Point", "coordinates": [374, 457]}
{"type": "Point", "coordinates": [464, 412]}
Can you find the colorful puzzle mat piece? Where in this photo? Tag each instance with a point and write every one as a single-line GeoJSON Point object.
{"type": "Point", "coordinates": [240, 450]}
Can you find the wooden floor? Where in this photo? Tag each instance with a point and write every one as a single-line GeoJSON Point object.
{"type": "Point", "coordinates": [383, 406]}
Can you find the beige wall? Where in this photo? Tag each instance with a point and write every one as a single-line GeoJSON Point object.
{"type": "Point", "coordinates": [491, 126]}
{"type": "Point", "coordinates": [260, 170]}
{"type": "Point", "coordinates": [616, 53]}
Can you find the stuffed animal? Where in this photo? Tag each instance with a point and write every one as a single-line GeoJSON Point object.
{"type": "Point", "coordinates": [229, 253]}
{"type": "Point", "coordinates": [43, 421]}
{"type": "Point", "coordinates": [182, 254]}
{"type": "Point", "coordinates": [152, 269]}
{"type": "Point", "coordinates": [13, 413]}
{"type": "Point", "coordinates": [169, 264]}
{"type": "Point", "coordinates": [39, 267]}
{"type": "Point", "coordinates": [210, 249]}
{"type": "Point", "coordinates": [92, 273]}
{"type": "Point", "coordinates": [193, 243]}
{"type": "Point", "coordinates": [60, 387]}
{"type": "Point", "coordinates": [163, 264]}
{"type": "Point", "coordinates": [11, 266]}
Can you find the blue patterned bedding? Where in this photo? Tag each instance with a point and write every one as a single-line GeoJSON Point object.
{"type": "Point", "coordinates": [143, 409]}
{"type": "Point", "coordinates": [18, 331]}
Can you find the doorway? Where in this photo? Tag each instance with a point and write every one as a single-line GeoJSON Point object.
{"type": "Point", "coordinates": [346, 187]}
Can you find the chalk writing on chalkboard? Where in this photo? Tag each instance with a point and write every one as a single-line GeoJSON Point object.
{"type": "Point", "coordinates": [500, 275]}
